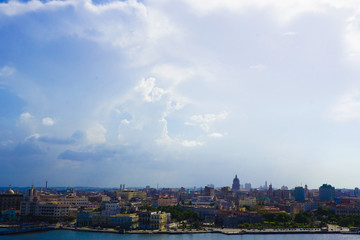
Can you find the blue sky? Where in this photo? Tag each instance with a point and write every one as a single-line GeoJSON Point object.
{"type": "Point", "coordinates": [179, 93]}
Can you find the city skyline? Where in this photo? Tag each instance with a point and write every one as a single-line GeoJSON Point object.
{"type": "Point", "coordinates": [103, 92]}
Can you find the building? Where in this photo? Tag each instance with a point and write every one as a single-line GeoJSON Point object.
{"type": "Point", "coordinates": [236, 184]}
{"type": "Point", "coordinates": [209, 191]}
{"type": "Point", "coordinates": [128, 195]}
{"type": "Point", "coordinates": [247, 186]}
{"type": "Point", "coordinates": [125, 221]}
{"type": "Point", "coordinates": [326, 193]}
{"type": "Point", "coordinates": [299, 194]}
{"type": "Point", "coordinates": [158, 220]}
{"type": "Point", "coordinates": [10, 200]}
{"type": "Point", "coordinates": [249, 201]}
{"type": "Point", "coordinates": [167, 200]}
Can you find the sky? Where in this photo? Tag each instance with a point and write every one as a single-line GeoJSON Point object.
{"type": "Point", "coordinates": [179, 93]}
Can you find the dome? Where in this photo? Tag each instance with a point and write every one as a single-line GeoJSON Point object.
{"type": "Point", "coordinates": [10, 191]}
{"type": "Point", "coordinates": [236, 180]}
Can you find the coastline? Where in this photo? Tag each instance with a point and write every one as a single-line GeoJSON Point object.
{"type": "Point", "coordinates": [225, 231]}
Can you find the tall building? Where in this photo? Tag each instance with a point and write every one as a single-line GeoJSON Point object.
{"type": "Point", "coordinates": [236, 184]}
{"type": "Point", "coordinates": [247, 186]}
{"type": "Point", "coordinates": [299, 194]}
{"type": "Point", "coordinates": [326, 192]}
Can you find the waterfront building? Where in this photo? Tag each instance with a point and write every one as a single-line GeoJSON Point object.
{"type": "Point", "coordinates": [9, 215]}
{"type": "Point", "coordinates": [158, 220]}
{"type": "Point", "coordinates": [236, 184]}
{"type": "Point", "coordinates": [299, 194]}
{"type": "Point", "coordinates": [326, 193]}
{"type": "Point", "coordinates": [10, 200]}
{"type": "Point", "coordinates": [125, 221]}
{"type": "Point", "coordinates": [50, 210]}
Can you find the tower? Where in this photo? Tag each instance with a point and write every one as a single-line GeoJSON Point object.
{"type": "Point", "coordinates": [236, 184]}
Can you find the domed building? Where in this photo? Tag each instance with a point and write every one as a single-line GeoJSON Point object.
{"type": "Point", "coordinates": [236, 184]}
{"type": "Point", "coordinates": [10, 200]}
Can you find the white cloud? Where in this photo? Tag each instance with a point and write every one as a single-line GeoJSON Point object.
{"type": "Point", "coordinates": [347, 108]}
{"type": "Point", "coordinates": [6, 71]}
{"type": "Point", "coordinates": [33, 136]}
{"type": "Point", "coordinates": [172, 72]}
{"type": "Point", "coordinates": [205, 120]}
{"type": "Point", "coordinates": [149, 91]}
{"type": "Point", "coordinates": [24, 117]}
{"type": "Point", "coordinates": [48, 121]}
{"type": "Point", "coordinates": [125, 122]}
{"type": "Point", "coordinates": [188, 143]}
{"type": "Point", "coordinates": [13, 8]}
{"type": "Point", "coordinates": [283, 11]}
{"type": "Point", "coordinates": [96, 134]}
{"type": "Point", "coordinates": [352, 37]}
{"type": "Point", "coordinates": [216, 135]}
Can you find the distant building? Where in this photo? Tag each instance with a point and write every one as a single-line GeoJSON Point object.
{"type": "Point", "coordinates": [299, 194]}
{"type": "Point", "coordinates": [236, 184]}
{"type": "Point", "coordinates": [247, 186]}
{"type": "Point", "coordinates": [326, 192]}
{"type": "Point", "coordinates": [209, 191]}
{"type": "Point", "coordinates": [356, 192]}
{"type": "Point", "coordinates": [128, 195]}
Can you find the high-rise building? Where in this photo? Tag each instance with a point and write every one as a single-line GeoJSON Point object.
{"type": "Point", "coordinates": [326, 192]}
{"type": "Point", "coordinates": [299, 194]}
{"type": "Point", "coordinates": [247, 186]}
{"type": "Point", "coordinates": [236, 184]}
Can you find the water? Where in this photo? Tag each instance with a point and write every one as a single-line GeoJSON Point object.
{"type": "Point", "coordinates": [72, 235]}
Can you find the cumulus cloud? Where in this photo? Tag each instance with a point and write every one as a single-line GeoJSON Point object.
{"type": "Point", "coordinates": [48, 121]}
{"type": "Point", "coordinates": [347, 108]}
{"type": "Point", "coordinates": [6, 71]}
{"type": "Point", "coordinates": [147, 88]}
{"type": "Point", "coordinates": [24, 117]}
{"type": "Point", "coordinates": [96, 133]}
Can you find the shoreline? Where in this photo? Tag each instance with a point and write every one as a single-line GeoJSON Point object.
{"type": "Point", "coordinates": [225, 231]}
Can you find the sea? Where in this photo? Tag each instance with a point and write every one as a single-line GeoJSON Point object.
{"type": "Point", "coordinates": [73, 235]}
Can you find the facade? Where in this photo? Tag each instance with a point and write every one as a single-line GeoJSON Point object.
{"type": "Point", "coordinates": [128, 195]}
{"type": "Point", "coordinates": [167, 200]}
{"type": "Point", "coordinates": [326, 193]}
{"type": "Point", "coordinates": [299, 194]}
{"type": "Point", "coordinates": [250, 201]}
{"type": "Point", "coordinates": [10, 200]}
{"type": "Point", "coordinates": [209, 191]}
{"type": "Point", "coordinates": [236, 184]}
{"type": "Point", "coordinates": [158, 220]}
{"type": "Point", "coordinates": [125, 221]}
